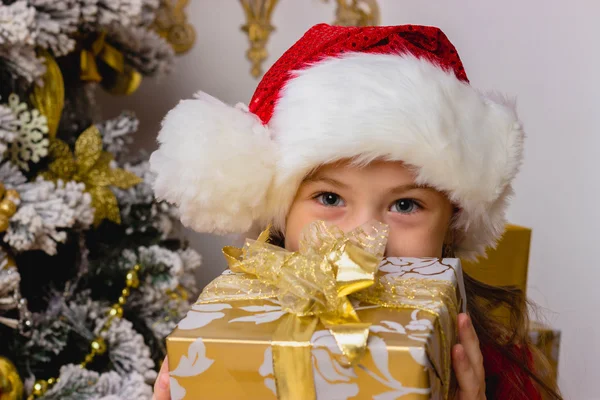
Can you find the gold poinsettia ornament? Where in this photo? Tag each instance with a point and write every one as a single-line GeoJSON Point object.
{"type": "Point", "coordinates": [90, 165]}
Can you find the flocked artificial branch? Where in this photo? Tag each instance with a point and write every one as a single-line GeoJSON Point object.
{"type": "Point", "coordinates": [60, 273]}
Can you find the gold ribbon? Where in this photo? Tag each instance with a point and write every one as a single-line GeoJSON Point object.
{"type": "Point", "coordinates": [313, 286]}
{"type": "Point", "coordinates": [317, 280]}
{"type": "Point", "coordinates": [120, 79]}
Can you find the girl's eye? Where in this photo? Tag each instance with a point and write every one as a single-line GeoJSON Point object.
{"type": "Point", "coordinates": [405, 206]}
{"type": "Point", "coordinates": [329, 199]}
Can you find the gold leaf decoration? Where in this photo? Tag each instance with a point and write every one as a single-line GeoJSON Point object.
{"type": "Point", "coordinates": [105, 204]}
{"type": "Point", "coordinates": [49, 98]}
{"type": "Point", "coordinates": [63, 164]}
{"type": "Point", "coordinates": [124, 179]}
{"type": "Point", "coordinates": [90, 165]}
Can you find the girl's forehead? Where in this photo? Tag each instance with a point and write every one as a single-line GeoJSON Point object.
{"type": "Point", "coordinates": [348, 167]}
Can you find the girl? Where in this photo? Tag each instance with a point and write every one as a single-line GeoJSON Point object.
{"type": "Point", "coordinates": [354, 124]}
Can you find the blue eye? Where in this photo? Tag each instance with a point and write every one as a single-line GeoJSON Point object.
{"type": "Point", "coordinates": [405, 206]}
{"type": "Point", "coordinates": [329, 199]}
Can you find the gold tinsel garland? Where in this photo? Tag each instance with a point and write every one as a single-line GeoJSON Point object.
{"type": "Point", "coordinates": [98, 345]}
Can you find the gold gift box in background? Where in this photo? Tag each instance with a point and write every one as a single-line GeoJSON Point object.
{"type": "Point", "coordinates": [508, 265]}
{"type": "Point", "coordinates": [547, 340]}
{"type": "Point", "coordinates": [224, 350]}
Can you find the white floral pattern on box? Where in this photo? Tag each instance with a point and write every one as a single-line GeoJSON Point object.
{"type": "Point", "coordinates": [195, 362]}
{"type": "Point", "coordinates": [177, 391]}
{"type": "Point", "coordinates": [262, 314]}
{"type": "Point", "coordinates": [201, 315]}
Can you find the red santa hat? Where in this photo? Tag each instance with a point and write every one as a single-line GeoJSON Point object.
{"type": "Point", "coordinates": [393, 93]}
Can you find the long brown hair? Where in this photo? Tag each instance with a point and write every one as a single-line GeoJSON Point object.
{"type": "Point", "coordinates": [502, 336]}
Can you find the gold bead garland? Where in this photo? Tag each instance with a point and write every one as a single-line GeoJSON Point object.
{"type": "Point", "coordinates": [98, 345]}
{"type": "Point", "coordinates": [39, 388]}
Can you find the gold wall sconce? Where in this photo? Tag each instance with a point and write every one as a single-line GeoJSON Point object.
{"type": "Point", "coordinates": [357, 13]}
{"type": "Point", "coordinates": [258, 25]}
{"type": "Point", "coordinates": [171, 23]}
{"type": "Point", "coordinates": [258, 28]}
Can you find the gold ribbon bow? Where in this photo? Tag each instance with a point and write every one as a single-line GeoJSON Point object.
{"type": "Point", "coordinates": [119, 78]}
{"type": "Point", "coordinates": [312, 285]}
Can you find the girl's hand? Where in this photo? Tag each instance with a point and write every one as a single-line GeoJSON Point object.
{"type": "Point", "coordinates": [161, 386]}
{"type": "Point", "coordinates": [467, 361]}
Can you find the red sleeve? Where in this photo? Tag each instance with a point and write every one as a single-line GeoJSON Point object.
{"type": "Point", "coordinates": [505, 379]}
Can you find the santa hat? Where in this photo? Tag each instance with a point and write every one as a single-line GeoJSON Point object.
{"type": "Point", "coordinates": [393, 93]}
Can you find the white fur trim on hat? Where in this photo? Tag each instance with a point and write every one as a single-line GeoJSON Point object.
{"type": "Point", "coordinates": [216, 163]}
{"type": "Point", "coordinates": [399, 107]}
{"type": "Point", "coordinates": [226, 170]}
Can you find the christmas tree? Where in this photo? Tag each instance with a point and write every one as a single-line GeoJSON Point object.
{"type": "Point", "coordinates": [92, 273]}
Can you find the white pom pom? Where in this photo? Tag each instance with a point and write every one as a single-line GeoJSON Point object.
{"type": "Point", "coordinates": [216, 163]}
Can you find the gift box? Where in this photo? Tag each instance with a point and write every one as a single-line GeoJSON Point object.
{"type": "Point", "coordinates": [507, 264]}
{"type": "Point", "coordinates": [547, 340]}
{"type": "Point", "coordinates": [245, 338]}
{"type": "Point", "coordinates": [224, 350]}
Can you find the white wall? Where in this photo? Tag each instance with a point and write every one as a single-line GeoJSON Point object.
{"type": "Point", "coordinates": [544, 52]}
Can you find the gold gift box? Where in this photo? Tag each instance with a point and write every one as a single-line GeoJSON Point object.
{"type": "Point", "coordinates": [507, 264]}
{"type": "Point", "coordinates": [547, 340]}
{"type": "Point", "coordinates": [224, 350]}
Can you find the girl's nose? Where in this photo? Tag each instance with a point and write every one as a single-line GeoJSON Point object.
{"type": "Point", "coordinates": [361, 218]}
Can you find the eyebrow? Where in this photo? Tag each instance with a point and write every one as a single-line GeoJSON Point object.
{"type": "Point", "coordinates": [334, 182]}
{"type": "Point", "coordinates": [410, 186]}
{"type": "Point", "coordinates": [325, 179]}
